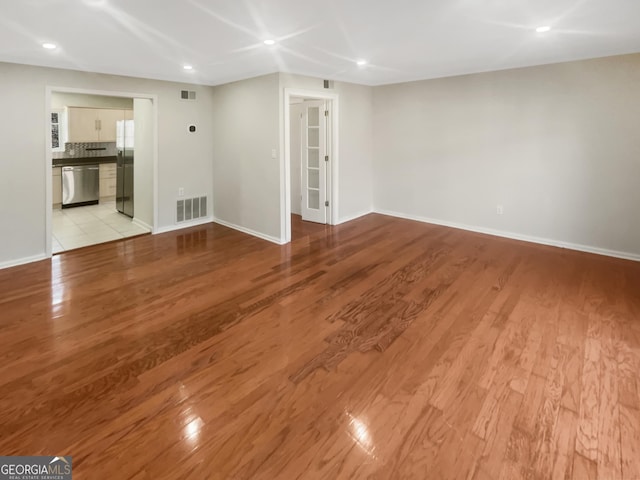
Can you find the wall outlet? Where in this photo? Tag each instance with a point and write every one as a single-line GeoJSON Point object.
{"type": "Point", "coordinates": [181, 192]}
{"type": "Point", "coordinates": [274, 153]}
{"type": "Point", "coordinates": [499, 210]}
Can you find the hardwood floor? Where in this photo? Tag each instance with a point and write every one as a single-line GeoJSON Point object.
{"type": "Point", "coordinates": [301, 229]}
{"type": "Point", "coordinates": [381, 348]}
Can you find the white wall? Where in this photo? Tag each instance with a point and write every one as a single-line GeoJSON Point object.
{"type": "Point", "coordinates": [143, 160]}
{"type": "Point", "coordinates": [249, 123]}
{"type": "Point", "coordinates": [295, 159]}
{"type": "Point", "coordinates": [246, 177]}
{"type": "Point", "coordinates": [184, 159]}
{"type": "Point", "coordinates": [355, 148]}
{"type": "Point", "coordinates": [558, 146]}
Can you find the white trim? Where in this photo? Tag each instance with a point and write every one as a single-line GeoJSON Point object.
{"type": "Point", "coordinates": [353, 217]}
{"type": "Point", "coordinates": [48, 180]}
{"type": "Point", "coordinates": [180, 226]}
{"type": "Point", "coordinates": [142, 224]}
{"type": "Point", "coordinates": [156, 164]}
{"type": "Point", "coordinates": [49, 162]}
{"type": "Point", "coordinates": [285, 173]}
{"type": "Point", "coordinates": [104, 93]}
{"type": "Point", "coordinates": [248, 231]}
{"type": "Point", "coordinates": [516, 236]}
{"type": "Point", "coordinates": [22, 261]}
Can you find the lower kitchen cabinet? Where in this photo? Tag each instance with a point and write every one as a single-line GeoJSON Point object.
{"type": "Point", "coordinates": [107, 180]}
{"type": "Point", "coordinates": [57, 186]}
{"type": "Point", "coordinates": [107, 183]}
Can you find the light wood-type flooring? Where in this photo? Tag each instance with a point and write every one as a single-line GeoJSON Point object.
{"type": "Point", "coordinates": [381, 348]}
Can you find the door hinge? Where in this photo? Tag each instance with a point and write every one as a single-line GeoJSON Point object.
{"type": "Point", "coordinates": [326, 203]}
{"type": "Point", "coordinates": [326, 158]}
{"type": "Point", "coordinates": [326, 113]}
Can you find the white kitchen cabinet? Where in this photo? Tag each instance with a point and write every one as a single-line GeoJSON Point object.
{"type": "Point", "coordinates": [107, 181]}
{"type": "Point", "coordinates": [94, 124]}
{"type": "Point", "coordinates": [107, 122]}
{"type": "Point", "coordinates": [83, 125]}
{"type": "Point", "coordinates": [57, 186]}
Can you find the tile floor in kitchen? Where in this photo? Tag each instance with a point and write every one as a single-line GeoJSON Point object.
{"type": "Point", "coordinates": [82, 226]}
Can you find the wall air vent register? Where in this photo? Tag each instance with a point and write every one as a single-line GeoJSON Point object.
{"type": "Point", "coordinates": [191, 209]}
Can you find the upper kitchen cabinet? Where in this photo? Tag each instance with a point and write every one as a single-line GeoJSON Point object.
{"type": "Point", "coordinates": [107, 122]}
{"type": "Point", "coordinates": [83, 125]}
{"type": "Point", "coordinates": [94, 124]}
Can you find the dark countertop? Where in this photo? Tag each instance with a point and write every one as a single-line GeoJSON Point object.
{"type": "Point", "coordinates": [73, 162]}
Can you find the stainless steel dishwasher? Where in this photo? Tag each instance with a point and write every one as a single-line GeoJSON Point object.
{"type": "Point", "coordinates": [80, 185]}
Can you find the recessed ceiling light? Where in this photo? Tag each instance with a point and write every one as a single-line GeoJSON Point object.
{"type": "Point", "coordinates": [49, 46]}
{"type": "Point", "coordinates": [269, 42]}
{"type": "Point", "coordinates": [543, 29]}
{"type": "Point", "coordinates": [361, 63]}
{"type": "Point", "coordinates": [188, 67]}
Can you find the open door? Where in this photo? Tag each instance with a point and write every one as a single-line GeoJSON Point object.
{"type": "Point", "coordinates": [314, 169]}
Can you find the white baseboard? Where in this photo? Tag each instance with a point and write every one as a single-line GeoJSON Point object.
{"type": "Point", "coordinates": [353, 217]}
{"type": "Point", "coordinates": [192, 223]}
{"type": "Point", "coordinates": [516, 236]}
{"type": "Point", "coordinates": [140, 223]}
{"type": "Point", "coordinates": [248, 231]}
{"type": "Point", "coordinates": [22, 261]}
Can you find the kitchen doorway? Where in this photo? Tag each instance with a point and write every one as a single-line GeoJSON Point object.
{"type": "Point", "coordinates": [101, 163]}
{"type": "Point", "coordinates": [310, 162]}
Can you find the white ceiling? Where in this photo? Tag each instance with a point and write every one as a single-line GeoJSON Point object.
{"type": "Point", "coordinates": [223, 39]}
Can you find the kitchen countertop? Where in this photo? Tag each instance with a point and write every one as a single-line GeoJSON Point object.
{"type": "Point", "coordinates": [75, 161]}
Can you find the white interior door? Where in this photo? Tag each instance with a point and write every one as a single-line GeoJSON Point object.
{"type": "Point", "coordinates": [314, 169]}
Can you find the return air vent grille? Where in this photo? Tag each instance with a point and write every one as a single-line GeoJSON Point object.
{"type": "Point", "coordinates": [187, 95]}
{"type": "Point", "coordinates": [191, 209]}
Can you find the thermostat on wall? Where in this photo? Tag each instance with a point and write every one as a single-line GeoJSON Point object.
{"type": "Point", "coordinates": [192, 128]}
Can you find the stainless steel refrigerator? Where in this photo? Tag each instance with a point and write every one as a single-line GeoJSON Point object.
{"type": "Point", "coordinates": [124, 167]}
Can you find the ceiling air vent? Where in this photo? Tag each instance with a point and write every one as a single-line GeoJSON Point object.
{"type": "Point", "coordinates": [187, 95]}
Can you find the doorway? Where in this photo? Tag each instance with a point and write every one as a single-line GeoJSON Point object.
{"type": "Point", "coordinates": [311, 162]}
{"type": "Point", "coordinates": [93, 195]}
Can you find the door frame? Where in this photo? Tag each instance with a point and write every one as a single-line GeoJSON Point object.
{"type": "Point", "coordinates": [48, 157]}
{"type": "Point", "coordinates": [333, 131]}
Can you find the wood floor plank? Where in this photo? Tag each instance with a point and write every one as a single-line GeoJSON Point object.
{"type": "Point", "coordinates": [491, 462]}
{"type": "Point", "coordinates": [472, 343]}
{"type": "Point", "coordinates": [628, 359]}
{"type": "Point", "coordinates": [379, 348]}
{"type": "Point", "coordinates": [563, 446]}
{"type": "Point", "coordinates": [549, 428]}
{"type": "Point", "coordinates": [573, 331]}
{"type": "Point", "coordinates": [630, 442]}
{"type": "Point", "coordinates": [609, 455]}
{"type": "Point", "coordinates": [584, 469]}
{"type": "Point", "coordinates": [588, 422]}
{"type": "Point", "coordinates": [526, 361]}
{"type": "Point", "coordinates": [519, 456]}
